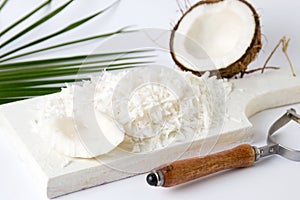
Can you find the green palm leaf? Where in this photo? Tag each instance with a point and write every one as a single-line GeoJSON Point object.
{"type": "Point", "coordinates": [52, 35]}
{"type": "Point", "coordinates": [23, 18]}
{"type": "Point", "coordinates": [26, 79]}
{"type": "Point", "coordinates": [3, 4]}
{"type": "Point", "coordinates": [36, 24]}
{"type": "Point", "coordinates": [123, 30]}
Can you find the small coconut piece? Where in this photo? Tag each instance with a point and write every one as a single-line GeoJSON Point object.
{"type": "Point", "coordinates": [220, 36]}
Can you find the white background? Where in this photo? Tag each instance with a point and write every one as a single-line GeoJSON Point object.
{"type": "Point", "coordinates": [272, 178]}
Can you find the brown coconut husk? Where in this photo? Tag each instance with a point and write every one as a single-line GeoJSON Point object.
{"type": "Point", "coordinates": [239, 66]}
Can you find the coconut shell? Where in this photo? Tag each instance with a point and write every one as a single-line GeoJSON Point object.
{"type": "Point", "coordinates": [239, 66]}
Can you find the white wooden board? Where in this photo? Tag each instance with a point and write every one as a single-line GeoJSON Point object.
{"type": "Point", "coordinates": [59, 175]}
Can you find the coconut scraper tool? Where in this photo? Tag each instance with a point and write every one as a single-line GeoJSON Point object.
{"type": "Point", "coordinates": [243, 155]}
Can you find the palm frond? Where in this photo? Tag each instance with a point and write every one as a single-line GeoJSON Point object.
{"type": "Point", "coordinates": [59, 70]}
{"type": "Point", "coordinates": [23, 18]}
{"type": "Point", "coordinates": [79, 58]}
{"type": "Point", "coordinates": [123, 30]}
{"type": "Point", "coordinates": [59, 32]}
{"type": "Point", "coordinates": [3, 4]}
{"type": "Point", "coordinates": [30, 92]}
{"type": "Point", "coordinates": [26, 79]}
{"type": "Point", "coordinates": [36, 24]}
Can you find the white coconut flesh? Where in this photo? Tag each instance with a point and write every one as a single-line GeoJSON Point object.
{"type": "Point", "coordinates": [82, 120]}
{"type": "Point", "coordinates": [214, 35]}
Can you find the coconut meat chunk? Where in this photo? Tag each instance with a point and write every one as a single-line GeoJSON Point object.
{"type": "Point", "coordinates": [221, 32]}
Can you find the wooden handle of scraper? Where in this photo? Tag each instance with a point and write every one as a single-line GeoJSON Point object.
{"type": "Point", "coordinates": [189, 169]}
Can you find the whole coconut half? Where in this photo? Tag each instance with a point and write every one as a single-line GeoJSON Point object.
{"type": "Point", "coordinates": [220, 36]}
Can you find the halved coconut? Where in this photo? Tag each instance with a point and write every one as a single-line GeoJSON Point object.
{"type": "Point", "coordinates": [220, 36]}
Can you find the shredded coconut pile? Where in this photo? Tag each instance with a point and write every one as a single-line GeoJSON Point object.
{"type": "Point", "coordinates": [154, 108]}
